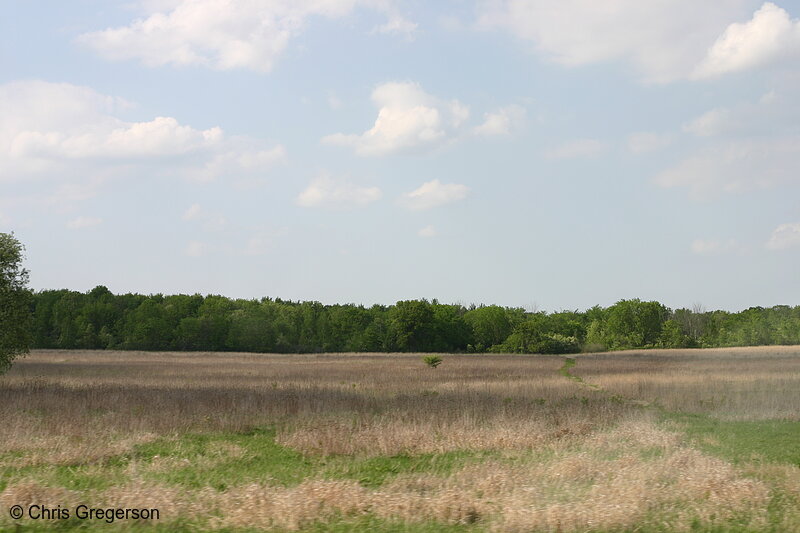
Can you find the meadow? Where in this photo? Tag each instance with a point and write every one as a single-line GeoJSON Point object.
{"type": "Point", "coordinates": [656, 440]}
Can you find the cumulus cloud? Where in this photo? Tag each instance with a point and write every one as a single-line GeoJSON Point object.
{"type": "Point", "coordinates": [427, 232]}
{"type": "Point", "coordinates": [501, 122]}
{"type": "Point", "coordinates": [224, 34]}
{"type": "Point", "coordinates": [576, 148]}
{"type": "Point", "coordinates": [209, 219]}
{"type": "Point", "coordinates": [61, 130]}
{"type": "Point", "coordinates": [327, 192]}
{"type": "Point", "coordinates": [714, 247]}
{"type": "Point", "coordinates": [334, 102]}
{"type": "Point", "coordinates": [263, 239]}
{"type": "Point", "coordinates": [744, 147]}
{"type": "Point", "coordinates": [775, 113]}
{"type": "Point", "coordinates": [663, 41]}
{"type": "Point", "coordinates": [194, 212]}
{"type": "Point", "coordinates": [84, 222]}
{"type": "Point", "coordinates": [710, 123]}
{"type": "Point", "coordinates": [644, 142]}
{"type": "Point", "coordinates": [771, 35]}
{"type": "Point", "coordinates": [257, 246]}
{"type": "Point", "coordinates": [243, 160]}
{"type": "Point", "coordinates": [434, 194]}
{"type": "Point", "coordinates": [785, 236]}
{"type": "Point", "coordinates": [408, 119]}
{"type": "Point", "coordinates": [398, 25]}
{"type": "Point", "coordinates": [736, 166]}
{"type": "Point", "coordinates": [197, 249]}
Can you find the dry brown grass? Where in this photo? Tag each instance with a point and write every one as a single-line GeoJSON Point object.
{"type": "Point", "coordinates": [602, 483]}
{"type": "Point", "coordinates": [570, 458]}
{"type": "Point", "coordinates": [728, 383]}
{"type": "Point", "coordinates": [64, 407]}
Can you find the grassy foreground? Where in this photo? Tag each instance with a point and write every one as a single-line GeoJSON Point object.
{"type": "Point", "coordinates": [630, 441]}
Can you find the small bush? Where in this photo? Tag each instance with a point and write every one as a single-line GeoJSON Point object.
{"type": "Point", "coordinates": [432, 360]}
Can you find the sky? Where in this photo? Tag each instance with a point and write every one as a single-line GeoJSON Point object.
{"type": "Point", "coordinates": [545, 154]}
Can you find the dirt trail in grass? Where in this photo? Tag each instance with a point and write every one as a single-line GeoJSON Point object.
{"type": "Point", "coordinates": [570, 362]}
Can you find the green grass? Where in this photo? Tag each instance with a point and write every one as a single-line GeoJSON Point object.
{"type": "Point", "coordinates": [374, 471]}
{"type": "Point", "coordinates": [569, 362]}
{"type": "Point", "coordinates": [773, 441]}
{"type": "Point", "coordinates": [201, 460]}
{"type": "Point", "coordinates": [369, 523]}
{"type": "Point", "coordinates": [72, 477]}
{"type": "Point", "coordinates": [263, 460]}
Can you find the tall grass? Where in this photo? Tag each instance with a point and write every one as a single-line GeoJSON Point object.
{"type": "Point", "coordinates": [727, 383]}
{"type": "Point", "coordinates": [496, 443]}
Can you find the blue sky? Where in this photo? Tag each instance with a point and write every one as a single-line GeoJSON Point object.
{"type": "Point", "coordinates": [550, 154]}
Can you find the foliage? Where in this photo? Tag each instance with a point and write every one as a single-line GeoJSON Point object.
{"type": "Point", "coordinates": [15, 314]}
{"type": "Point", "coordinates": [491, 325]}
{"type": "Point", "coordinates": [432, 360]}
{"type": "Point", "coordinates": [634, 324]}
{"type": "Point", "coordinates": [99, 319]}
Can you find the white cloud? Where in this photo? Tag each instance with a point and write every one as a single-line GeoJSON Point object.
{"type": "Point", "coordinates": [434, 194]}
{"type": "Point", "coordinates": [576, 148]}
{"type": "Point", "coordinates": [84, 222]}
{"type": "Point", "coordinates": [193, 212]}
{"type": "Point", "coordinates": [773, 114]}
{"type": "Point", "coordinates": [408, 119]}
{"type": "Point", "coordinates": [710, 123]}
{"type": "Point", "coordinates": [262, 240]}
{"type": "Point", "coordinates": [257, 246]}
{"type": "Point", "coordinates": [68, 132]}
{"type": "Point", "coordinates": [243, 162]}
{"type": "Point", "coordinates": [67, 195]}
{"type": "Point", "coordinates": [57, 121]}
{"type": "Point", "coordinates": [501, 122]}
{"type": "Point", "coordinates": [427, 232]}
{"type": "Point", "coordinates": [736, 166]}
{"type": "Point", "coordinates": [744, 147]}
{"type": "Point", "coordinates": [771, 35]}
{"type": "Point", "coordinates": [334, 102]}
{"type": "Point", "coordinates": [210, 220]}
{"type": "Point", "coordinates": [398, 25]}
{"type": "Point", "coordinates": [224, 34]}
{"type": "Point", "coordinates": [664, 41]}
{"type": "Point", "coordinates": [197, 249]}
{"type": "Point", "coordinates": [162, 136]}
{"type": "Point", "coordinates": [714, 247]}
{"type": "Point", "coordinates": [785, 236]}
{"type": "Point", "coordinates": [327, 192]}
{"type": "Point", "coordinates": [644, 142]}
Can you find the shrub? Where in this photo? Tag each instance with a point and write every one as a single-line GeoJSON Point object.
{"type": "Point", "coordinates": [432, 360]}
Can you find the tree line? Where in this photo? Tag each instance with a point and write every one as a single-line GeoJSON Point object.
{"type": "Point", "coordinates": [99, 319]}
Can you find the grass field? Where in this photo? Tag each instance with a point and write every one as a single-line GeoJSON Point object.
{"type": "Point", "coordinates": [692, 440]}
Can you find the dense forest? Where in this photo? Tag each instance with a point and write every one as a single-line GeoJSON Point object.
{"type": "Point", "coordinates": [99, 319]}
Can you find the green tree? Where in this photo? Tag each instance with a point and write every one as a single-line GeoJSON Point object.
{"type": "Point", "coordinates": [490, 325]}
{"type": "Point", "coordinates": [147, 328]}
{"type": "Point", "coordinates": [16, 320]}
{"type": "Point", "coordinates": [413, 325]}
{"type": "Point", "coordinates": [451, 333]}
{"type": "Point", "coordinates": [634, 324]}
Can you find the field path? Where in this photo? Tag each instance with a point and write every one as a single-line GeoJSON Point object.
{"type": "Point", "coordinates": [570, 362]}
